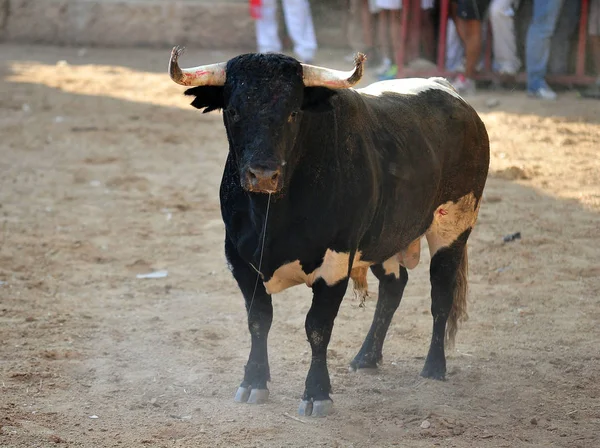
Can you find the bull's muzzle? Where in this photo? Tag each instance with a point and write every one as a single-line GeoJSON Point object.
{"type": "Point", "coordinates": [263, 180]}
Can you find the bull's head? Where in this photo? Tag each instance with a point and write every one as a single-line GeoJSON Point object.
{"type": "Point", "coordinates": [263, 97]}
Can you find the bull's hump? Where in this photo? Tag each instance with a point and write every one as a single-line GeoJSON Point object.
{"type": "Point", "coordinates": [410, 86]}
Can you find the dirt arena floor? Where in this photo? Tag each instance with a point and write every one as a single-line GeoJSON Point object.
{"type": "Point", "coordinates": [106, 173]}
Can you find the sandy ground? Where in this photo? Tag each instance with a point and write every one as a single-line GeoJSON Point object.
{"type": "Point", "coordinates": [106, 172]}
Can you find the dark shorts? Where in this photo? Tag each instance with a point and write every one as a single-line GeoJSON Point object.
{"type": "Point", "coordinates": [472, 9]}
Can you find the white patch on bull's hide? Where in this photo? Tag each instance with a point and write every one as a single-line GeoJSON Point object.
{"type": "Point", "coordinates": [391, 266]}
{"type": "Point", "coordinates": [286, 276]}
{"type": "Point", "coordinates": [409, 86]}
{"type": "Point", "coordinates": [333, 269]}
{"type": "Point", "coordinates": [450, 220]}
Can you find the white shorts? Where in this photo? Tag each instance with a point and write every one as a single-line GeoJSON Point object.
{"type": "Point", "coordinates": [376, 5]}
{"type": "Point", "coordinates": [388, 4]}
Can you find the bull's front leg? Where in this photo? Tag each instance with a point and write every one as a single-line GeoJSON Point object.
{"type": "Point", "coordinates": [259, 308]}
{"type": "Point", "coordinates": [319, 325]}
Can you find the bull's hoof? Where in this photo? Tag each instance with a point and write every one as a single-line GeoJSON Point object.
{"type": "Point", "coordinates": [364, 362]}
{"type": "Point", "coordinates": [242, 395]}
{"type": "Point", "coordinates": [251, 396]}
{"type": "Point", "coordinates": [258, 396]}
{"type": "Point", "coordinates": [434, 372]}
{"type": "Point", "coordinates": [316, 408]}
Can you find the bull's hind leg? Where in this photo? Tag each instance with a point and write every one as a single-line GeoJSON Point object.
{"type": "Point", "coordinates": [448, 300]}
{"type": "Point", "coordinates": [447, 238]}
{"type": "Point", "coordinates": [391, 287]}
{"type": "Point", "coordinates": [259, 308]}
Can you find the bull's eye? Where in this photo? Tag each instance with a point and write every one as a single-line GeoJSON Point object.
{"type": "Point", "coordinates": [233, 115]}
{"type": "Point", "coordinates": [292, 117]}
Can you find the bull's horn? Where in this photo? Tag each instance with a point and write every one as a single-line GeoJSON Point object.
{"type": "Point", "coordinates": [203, 75]}
{"type": "Point", "coordinates": [334, 79]}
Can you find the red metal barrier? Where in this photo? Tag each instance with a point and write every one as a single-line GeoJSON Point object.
{"type": "Point", "coordinates": [579, 77]}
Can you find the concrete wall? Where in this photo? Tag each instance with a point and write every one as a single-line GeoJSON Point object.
{"type": "Point", "coordinates": [216, 24]}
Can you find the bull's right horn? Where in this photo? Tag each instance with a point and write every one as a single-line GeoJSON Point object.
{"type": "Point", "coordinates": [203, 75]}
{"type": "Point", "coordinates": [334, 79]}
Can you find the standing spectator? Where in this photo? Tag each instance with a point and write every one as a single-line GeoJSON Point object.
{"type": "Point", "coordinates": [594, 32]}
{"type": "Point", "coordinates": [427, 33]}
{"type": "Point", "coordinates": [361, 30]}
{"type": "Point", "coordinates": [389, 36]}
{"type": "Point", "coordinates": [468, 16]}
{"type": "Point", "coordinates": [537, 52]}
{"type": "Point", "coordinates": [298, 20]}
{"type": "Point", "coordinates": [390, 17]}
{"type": "Point", "coordinates": [502, 13]}
{"type": "Point", "coordinates": [561, 43]}
{"type": "Point", "coordinates": [455, 52]}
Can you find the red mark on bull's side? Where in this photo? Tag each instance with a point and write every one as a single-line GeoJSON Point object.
{"type": "Point", "coordinates": [442, 212]}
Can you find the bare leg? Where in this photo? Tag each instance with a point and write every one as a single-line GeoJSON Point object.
{"type": "Point", "coordinates": [470, 33]}
{"type": "Point", "coordinates": [384, 39]}
{"type": "Point", "coordinates": [595, 46]}
{"type": "Point", "coordinates": [367, 24]}
{"type": "Point", "coordinates": [593, 91]}
{"type": "Point", "coordinates": [395, 17]}
{"type": "Point", "coordinates": [428, 34]}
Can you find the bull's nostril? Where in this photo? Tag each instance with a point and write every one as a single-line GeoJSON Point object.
{"type": "Point", "coordinates": [263, 179]}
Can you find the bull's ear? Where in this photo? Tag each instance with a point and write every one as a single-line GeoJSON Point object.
{"type": "Point", "coordinates": [317, 99]}
{"type": "Point", "coordinates": [208, 98]}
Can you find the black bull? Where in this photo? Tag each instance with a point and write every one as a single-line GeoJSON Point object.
{"type": "Point", "coordinates": [355, 179]}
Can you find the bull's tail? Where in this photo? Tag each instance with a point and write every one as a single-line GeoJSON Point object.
{"type": "Point", "coordinates": [458, 313]}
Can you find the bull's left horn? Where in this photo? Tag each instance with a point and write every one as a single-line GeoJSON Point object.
{"type": "Point", "coordinates": [334, 79]}
{"type": "Point", "coordinates": [203, 75]}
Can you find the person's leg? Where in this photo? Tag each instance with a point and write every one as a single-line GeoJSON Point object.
{"type": "Point", "coordinates": [366, 20]}
{"type": "Point", "coordinates": [267, 37]}
{"type": "Point", "coordinates": [593, 91]}
{"type": "Point", "coordinates": [427, 30]}
{"type": "Point", "coordinates": [469, 15]}
{"type": "Point", "coordinates": [594, 34]}
{"type": "Point", "coordinates": [472, 31]}
{"type": "Point", "coordinates": [454, 49]}
{"type": "Point", "coordinates": [395, 21]}
{"type": "Point", "coordinates": [371, 23]}
{"type": "Point", "coordinates": [539, 34]}
{"type": "Point", "coordinates": [354, 32]}
{"type": "Point", "coordinates": [298, 20]}
{"type": "Point", "coordinates": [562, 39]}
{"type": "Point", "coordinates": [504, 38]}
{"type": "Point", "coordinates": [384, 42]}
{"type": "Point", "coordinates": [595, 45]}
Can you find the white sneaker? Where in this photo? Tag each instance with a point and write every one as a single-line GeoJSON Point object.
{"type": "Point", "coordinates": [543, 93]}
{"type": "Point", "coordinates": [384, 67]}
{"type": "Point", "coordinates": [464, 86]}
